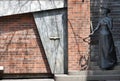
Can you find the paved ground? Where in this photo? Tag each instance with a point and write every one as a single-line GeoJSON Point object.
{"type": "Point", "coordinates": [28, 80]}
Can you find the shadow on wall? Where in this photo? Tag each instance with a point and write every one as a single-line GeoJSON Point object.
{"type": "Point", "coordinates": [21, 50]}
{"type": "Point", "coordinates": [84, 58]}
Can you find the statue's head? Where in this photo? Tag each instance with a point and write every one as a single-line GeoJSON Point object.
{"type": "Point", "coordinates": [105, 10]}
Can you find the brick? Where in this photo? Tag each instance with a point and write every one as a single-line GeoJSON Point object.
{"type": "Point", "coordinates": [21, 50]}
{"type": "Point", "coordinates": [78, 29]}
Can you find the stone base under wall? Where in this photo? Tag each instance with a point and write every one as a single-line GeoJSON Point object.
{"type": "Point", "coordinates": [97, 75]}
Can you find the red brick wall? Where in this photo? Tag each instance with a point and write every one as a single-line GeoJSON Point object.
{"type": "Point", "coordinates": [21, 49]}
{"type": "Point", "coordinates": [78, 29]}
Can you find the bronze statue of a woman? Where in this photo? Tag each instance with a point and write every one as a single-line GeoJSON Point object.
{"type": "Point", "coordinates": [107, 54]}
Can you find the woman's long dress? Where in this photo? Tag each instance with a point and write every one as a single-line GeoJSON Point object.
{"type": "Point", "coordinates": [107, 53]}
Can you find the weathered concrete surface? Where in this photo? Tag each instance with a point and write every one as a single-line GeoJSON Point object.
{"type": "Point", "coordinates": [28, 80]}
{"type": "Point", "coordinates": [52, 29]}
{"type": "Point", "coordinates": [10, 7]}
{"type": "Point", "coordinates": [90, 75]}
{"type": "Point", "coordinates": [87, 77]}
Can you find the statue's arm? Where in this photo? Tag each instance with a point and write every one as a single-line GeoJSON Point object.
{"type": "Point", "coordinates": [98, 25]}
{"type": "Point", "coordinates": [111, 24]}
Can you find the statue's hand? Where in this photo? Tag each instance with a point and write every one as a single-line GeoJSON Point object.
{"type": "Point", "coordinates": [91, 34]}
